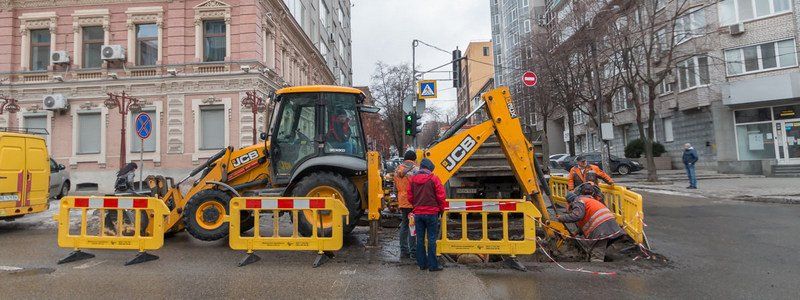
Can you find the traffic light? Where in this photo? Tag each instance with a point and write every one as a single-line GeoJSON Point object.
{"type": "Point", "coordinates": [409, 124]}
{"type": "Point", "coordinates": [417, 124]}
{"type": "Point", "coordinates": [456, 68]}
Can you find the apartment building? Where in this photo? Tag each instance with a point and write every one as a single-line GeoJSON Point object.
{"type": "Point", "coordinates": [477, 68]}
{"type": "Point", "coordinates": [189, 63]}
{"type": "Point", "coordinates": [327, 24]}
{"type": "Point", "coordinates": [736, 99]}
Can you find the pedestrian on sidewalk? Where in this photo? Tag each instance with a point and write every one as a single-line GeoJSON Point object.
{"type": "Point", "coordinates": [689, 159]}
{"type": "Point", "coordinates": [401, 180]}
{"type": "Point", "coordinates": [426, 194]}
{"type": "Point", "coordinates": [596, 222]}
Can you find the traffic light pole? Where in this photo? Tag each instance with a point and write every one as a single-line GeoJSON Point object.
{"type": "Point", "coordinates": [414, 45]}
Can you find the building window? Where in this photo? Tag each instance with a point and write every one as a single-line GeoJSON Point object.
{"type": "Point", "coordinates": [214, 40]}
{"type": "Point", "coordinates": [93, 38]}
{"type": "Point", "coordinates": [690, 25]}
{"type": "Point", "coordinates": [212, 127]}
{"type": "Point", "coordinates": [150, 142]}
{"type": "Point", "coordinates": [147, 44]}
{"type": "Point", "coordinates": [736, 11]}
{"type": "Point", "coordinates": [527, 26]}
{"type": "Point", "coordinates": [36, 122]}
{"type": "Point", "coordinates": [88, 139]}
{"type": "Point", "coordinates": [40, 49]}
{"type": "Point", "coordinates": [525, 3]}
{"type": "Point", "coordinates": [761, 57]}
{"type": "Point", "coordinates": [693, 72]}
{"type": "Point", "coordinates": [754, 136]}
{"type": "Point", "coordinates": [485, 51]}
{"type": "Point", "coordinates": [621, 100]}
{"type": "Point", "coordinates": [665, 87]}
{"type": "Point", "coordinates": [323, 13]}
{"type": "Point", "coordinates": [668, 134]}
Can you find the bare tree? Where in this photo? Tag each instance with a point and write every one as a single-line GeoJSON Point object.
{"type": "Point", "coordinates": [390, 85]}
{"type": "Point", "coordinates": [645, 39]}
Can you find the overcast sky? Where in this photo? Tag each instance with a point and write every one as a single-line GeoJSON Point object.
{"type": "Point", "coordinates": [383, 31]}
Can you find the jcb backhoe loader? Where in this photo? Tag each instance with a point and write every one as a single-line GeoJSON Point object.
{"type": "Point", "coordinates": [314, 147]}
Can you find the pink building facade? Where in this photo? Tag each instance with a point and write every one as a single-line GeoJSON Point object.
{"type": "Point", "coordinates": [189, 62]}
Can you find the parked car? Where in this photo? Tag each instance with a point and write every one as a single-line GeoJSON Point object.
{"type": "Point", "coordinates": [390, 164]}
{"type": "Point", "coordinates": [620, 165]}
{"type": "Point", "coordinates": [59, 180]}
{"type": "Point", "coordinates": [556, 159]}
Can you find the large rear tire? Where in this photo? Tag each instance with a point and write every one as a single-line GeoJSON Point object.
{"type": "Point", "coordinates": [327, 184]}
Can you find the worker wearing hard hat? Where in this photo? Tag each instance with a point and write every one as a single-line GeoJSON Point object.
{"type": "Point", "coordinates": [577, 175]}
{"type": "Point", "coordinates": [596, 222]}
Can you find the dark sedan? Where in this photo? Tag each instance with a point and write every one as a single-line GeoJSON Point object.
{"type": "Point", "coordinates": [620, 165]}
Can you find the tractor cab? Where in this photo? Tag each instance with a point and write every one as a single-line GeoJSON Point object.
{"type": "Point", "coordinates": [316, 127]}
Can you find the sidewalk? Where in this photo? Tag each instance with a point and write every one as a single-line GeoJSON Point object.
{"type": "Point", "coordinates": [711, 184]}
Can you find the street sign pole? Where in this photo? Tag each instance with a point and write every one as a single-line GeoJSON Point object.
{"type": "Point", "coordinates": [141, 163]}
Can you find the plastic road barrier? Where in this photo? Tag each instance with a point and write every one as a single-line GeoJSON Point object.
{"type": "Point", "coordinates": [116, 223]}
{"type": "Point", "coordinates": [481, 241]}
{"type": "Point", "coordinates": [325, 210]}
{"type": "Point", "coordinates": [625, 204]}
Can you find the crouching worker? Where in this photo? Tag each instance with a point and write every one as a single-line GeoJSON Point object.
{"type": "Point", "coordinates": [426, 194]}
{"type": "Point", "coordinates": [595, 221]}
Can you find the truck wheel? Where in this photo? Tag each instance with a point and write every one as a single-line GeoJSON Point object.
{"type": "Point", "coordinates": [327, 184]}
{"type": "Point", "coordinates": [204, 213]}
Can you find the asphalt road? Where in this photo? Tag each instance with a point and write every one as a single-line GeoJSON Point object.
{"type": "Point", "coordinates": [714, 248]}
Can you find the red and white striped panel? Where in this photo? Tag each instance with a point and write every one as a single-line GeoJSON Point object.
{"type": "Point", "coordinates": [480, 206]}
{"type": "Point", "coordinates": [98, 202]}
{"type": "Point", "coordinates": [284, 203]}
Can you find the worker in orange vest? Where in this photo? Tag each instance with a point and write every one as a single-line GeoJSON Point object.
{"type": "Point", "coordinates": [402, 176]}
{"type": "Point", "coordinates": [596, 222]}
{"type": "Point", "coordinates": [577, 175]}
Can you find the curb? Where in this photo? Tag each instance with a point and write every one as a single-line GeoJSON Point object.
{"type": "Point", "coordinates": [756, 199]}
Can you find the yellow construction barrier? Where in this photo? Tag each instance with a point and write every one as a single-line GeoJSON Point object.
{"type": "Point", "coordinates": [462, 240]}
{"type": "Point", "coordinates": [118, 223]}
{"type": "Point", "coordinates": [626, 205]}
{"type": "Point", "coordinates": [327, 211]}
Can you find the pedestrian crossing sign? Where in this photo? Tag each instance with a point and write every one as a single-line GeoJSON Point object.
{"type": "Point", "coordinates": [427, 89]}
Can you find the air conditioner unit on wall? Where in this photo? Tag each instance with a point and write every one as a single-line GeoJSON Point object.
{"type": "Point", "coordinates": [112, 52]}
{"type": "Point", "coordinates": [59, 57]}
{"type": "Point", "coordinates": [736, 29]}
{"type": "Point", "coordinates": [54, 102]}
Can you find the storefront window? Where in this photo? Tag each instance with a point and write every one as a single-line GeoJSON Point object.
{"type": "Point", "coordinates": [755, 141]}
{"type": "Point", "coordinates": [787, 112]}
{"type": "Point", "coordinates": [753, 115]}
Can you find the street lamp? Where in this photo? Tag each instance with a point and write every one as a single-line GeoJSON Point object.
{"type": "Point", "coordinates": [257, 105]}
{"type": "Point", "coordinates": [125, 104]}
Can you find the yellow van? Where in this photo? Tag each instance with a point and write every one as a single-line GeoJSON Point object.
{"type": "Point", "coordinates": [24, 175]}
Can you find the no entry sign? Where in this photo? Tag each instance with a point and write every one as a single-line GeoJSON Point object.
{"type": "Point", "coordinates": [529, 78]}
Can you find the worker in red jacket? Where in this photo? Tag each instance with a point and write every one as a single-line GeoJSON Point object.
{"type": "Point", "coordinates": [596, 222]}
{"type": "Point", "coordinates": [426, 194]}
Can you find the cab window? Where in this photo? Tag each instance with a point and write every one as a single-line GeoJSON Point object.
{"type": "Point", "coordinates": [295, 135]}
{"type": "Point", "coordinates": [342, 126]}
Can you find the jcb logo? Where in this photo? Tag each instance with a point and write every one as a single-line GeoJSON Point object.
{"type": "Point", "coordinates": [245, 158]}
{"type": "Point", "coordinates": [511, 109]}
{"type": "Point", "coordinates": [459, 153]}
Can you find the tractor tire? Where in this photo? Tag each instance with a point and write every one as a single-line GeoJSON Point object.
{"type": "Point", "coordinates": [203, 214]}
{"type": "Point", "coordinates": [318, 184]}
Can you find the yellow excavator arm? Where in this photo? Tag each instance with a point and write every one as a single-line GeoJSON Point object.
{"type": "Point", "coordinates": [454, 148]}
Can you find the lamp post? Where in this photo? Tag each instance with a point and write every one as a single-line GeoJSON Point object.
{"type": "Point", "coordinates": [125, 104]}
{"type": "Point", "coordinates": [257, 105]}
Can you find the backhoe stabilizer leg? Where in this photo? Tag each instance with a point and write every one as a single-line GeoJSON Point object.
{"type": "Point", "coordinates": [75, 256]}
{"type": "Point", "coordinates": [323, 258]}
{"type": "Point", "coordinates": [249, 259]}
{"type": "Point", "coordinates": [514, 264]}
{"type": "Point", "coordinates": [373, 234]}
{"type": "Point", "coordinates": [140, 258]}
